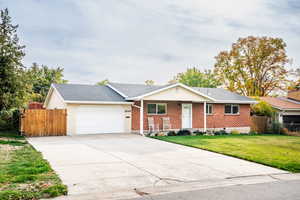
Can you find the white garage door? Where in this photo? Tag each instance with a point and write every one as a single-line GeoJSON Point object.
{"type": "Point", "coordinates": [100, 119]}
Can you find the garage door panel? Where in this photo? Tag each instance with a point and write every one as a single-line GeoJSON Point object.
{"type": "Point", "coordinates": [100, 119]}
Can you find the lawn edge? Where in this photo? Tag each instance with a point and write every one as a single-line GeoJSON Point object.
{"type": "Point", "coordinates": [156, 138]}
{"type": "Point", "coordinates": [58, 189]}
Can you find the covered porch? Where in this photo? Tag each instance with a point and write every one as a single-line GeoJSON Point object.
{"type": "Point", "coordinates": [171, 115]}
{"type": "Point", "coordinates": [172, 108]}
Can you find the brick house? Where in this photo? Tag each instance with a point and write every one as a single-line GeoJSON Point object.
{"type": "Point", "coordinates": [118, 107]}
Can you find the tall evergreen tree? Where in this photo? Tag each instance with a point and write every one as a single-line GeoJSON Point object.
{"type": "Point", "coordinates": [13, 88]}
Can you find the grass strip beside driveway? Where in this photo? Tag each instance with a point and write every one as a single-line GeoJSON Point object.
{"type": "Point", "coordinates": [24, 174]}
{"type": "Point", "coordinates": [278, 151]}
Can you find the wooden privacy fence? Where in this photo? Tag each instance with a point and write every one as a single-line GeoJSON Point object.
{"type": "Point", "coordinates": [42, 122]}
{"type": "Point", "coordinates": [259, 123]}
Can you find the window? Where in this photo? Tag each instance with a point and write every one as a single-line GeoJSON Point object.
{"type": "Point", "coordinates": [232, 109]}
{"type": "Point", "coordinates": [156, 108]}
{"type": "Point", "coordinates": [209, 109]}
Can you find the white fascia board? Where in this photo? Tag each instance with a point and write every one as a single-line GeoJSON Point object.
{"type": "Point", "coordinates": [291, 109]}
{"type": "Point", "coordinates": [168, 87]}
{"type": "Point", "coordinates": [99, 102]}
{"type": "Point", "coordinates": [61, 98]}
{"type": "Point", "coordinates": [48, 96]}
{"type": "Point", "coordinates": [119, 92]}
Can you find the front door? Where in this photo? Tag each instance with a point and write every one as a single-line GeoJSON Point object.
{"type": "Point", "coordinates": [186, 116]}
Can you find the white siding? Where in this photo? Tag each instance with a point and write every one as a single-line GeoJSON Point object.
{"type": "Point", "coordinates": [55, 101]}
{"type": "Point", "coordinates": [177, 93]}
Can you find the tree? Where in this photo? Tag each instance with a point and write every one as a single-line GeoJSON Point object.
{"type": "Point", "coordinates": [103, 82]}
{"type": "Point", "coordinates": [149, 82]}
{"type": "Point", "coordinates": [255, 66]}
{"type": "Point", "coordinates": [262, 108]}
{"type": "Point", "coordinates": [195, 78]}
{"type": "Point", "coordinates": [294, 76]}
{"type": "Point", "coordinates": [41, 78]}
{"type": "Point", "coordinates": [13, 85]}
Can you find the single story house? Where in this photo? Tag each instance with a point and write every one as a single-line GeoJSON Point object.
{"type": "Point", "coordinates": [287, 109]}
{"type": "Point", "coordinates": [118, 107]}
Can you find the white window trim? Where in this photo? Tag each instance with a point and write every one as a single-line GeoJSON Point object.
{"type": "Point", "coordinates": [212, 109]}
{"type": "Point", "coordinates": [231, 113]}
{"type": "Point", "coordinates": [156, 104]}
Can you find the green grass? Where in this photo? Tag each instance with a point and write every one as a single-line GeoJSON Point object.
{"type": "Point", "coordinates": [24, 174]}
{"type": "Point", "coordinates": [278, 151]}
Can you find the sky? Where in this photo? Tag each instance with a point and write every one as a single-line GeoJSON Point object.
{"type": "Point", "coordinates": [131, 41]}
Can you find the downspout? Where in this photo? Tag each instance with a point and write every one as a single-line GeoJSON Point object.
{"type": "Point", "coordinates": [142, 118]}
{"type": "Point", "coordinates": [204, 121]}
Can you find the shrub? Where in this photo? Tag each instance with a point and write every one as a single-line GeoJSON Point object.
{"type": "Point", "coordinates": [184, 132]}
{"type": "Point", "coordinates": [197, 132]}
{"type": "Point", "coordinates": [217, 133]}
{"type": "Point", "coordinates": [276, 128]}
{"type": "Point", "coordinates": [171, 133]}
{"type": "Point", "coordinates": [161, 134]}
{"type": "Point", "coordinates": [252, 132]}
{"type": "Point", "coordinates": [262, 109]}
{"type": "Point", "coordinates": [9, 119]}
{"type": "Point", "coordinates": [285, 131]}
{"type": "Point", "coordinates": [234, 132]}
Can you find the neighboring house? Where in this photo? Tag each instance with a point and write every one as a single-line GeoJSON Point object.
{"type": "Point", "coordinates": [119, 107]}
{"type": "Point", "coordinates": [287, 109]}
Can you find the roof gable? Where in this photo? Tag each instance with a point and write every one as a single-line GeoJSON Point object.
{"type": "Point", "coordinates": [176, 93]}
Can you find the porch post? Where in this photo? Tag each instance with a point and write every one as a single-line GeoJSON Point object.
{"type": "Point", "coordinates": [204, 119]}
{"type": "Point", "coordinates": [142, 118]}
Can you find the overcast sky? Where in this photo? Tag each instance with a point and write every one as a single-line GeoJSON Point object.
{"type": "Point", "coordinates": [135, 40]}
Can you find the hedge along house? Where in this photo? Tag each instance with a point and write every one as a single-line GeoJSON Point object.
{"type": "Point", "coordinates": [118, 108]}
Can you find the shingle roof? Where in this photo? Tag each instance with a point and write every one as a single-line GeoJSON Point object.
{"type": "Point", "coordinates": [221, 94]}
{"type": "Point", "coordinates": [133, 90]}
{"type": "Point", "coordinates": [281, 103]}
{"type": "Point", "coordinates": [78, 92]}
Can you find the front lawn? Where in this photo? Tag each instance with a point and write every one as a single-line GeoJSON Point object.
{"type": "Point", "coordinates": [274, 150]}
{"type": "Point", "coordinates": [24, 174]}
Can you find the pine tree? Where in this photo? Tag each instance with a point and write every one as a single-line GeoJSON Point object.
{"type": "Point", "coordinates": [13, 87]}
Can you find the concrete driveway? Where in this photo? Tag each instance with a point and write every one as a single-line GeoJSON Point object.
{"type": "Point", "coordinates": [112, 165]}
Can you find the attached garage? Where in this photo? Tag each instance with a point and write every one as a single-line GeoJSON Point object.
{"type": "Point", "coordinates": [91, 109]}
{"type": "Point", "coordinates": [93, 119]}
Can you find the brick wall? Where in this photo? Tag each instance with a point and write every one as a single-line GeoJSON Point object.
{"type": "Point", "coordinates": [173, 112]}
{"type": "Point", "coordinates": [217, 120]}
{"type": "Point", "coordinates": [220, 120]}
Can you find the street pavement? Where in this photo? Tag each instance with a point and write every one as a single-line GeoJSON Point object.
{"type": "Point", "coordinates": [279, 190]}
